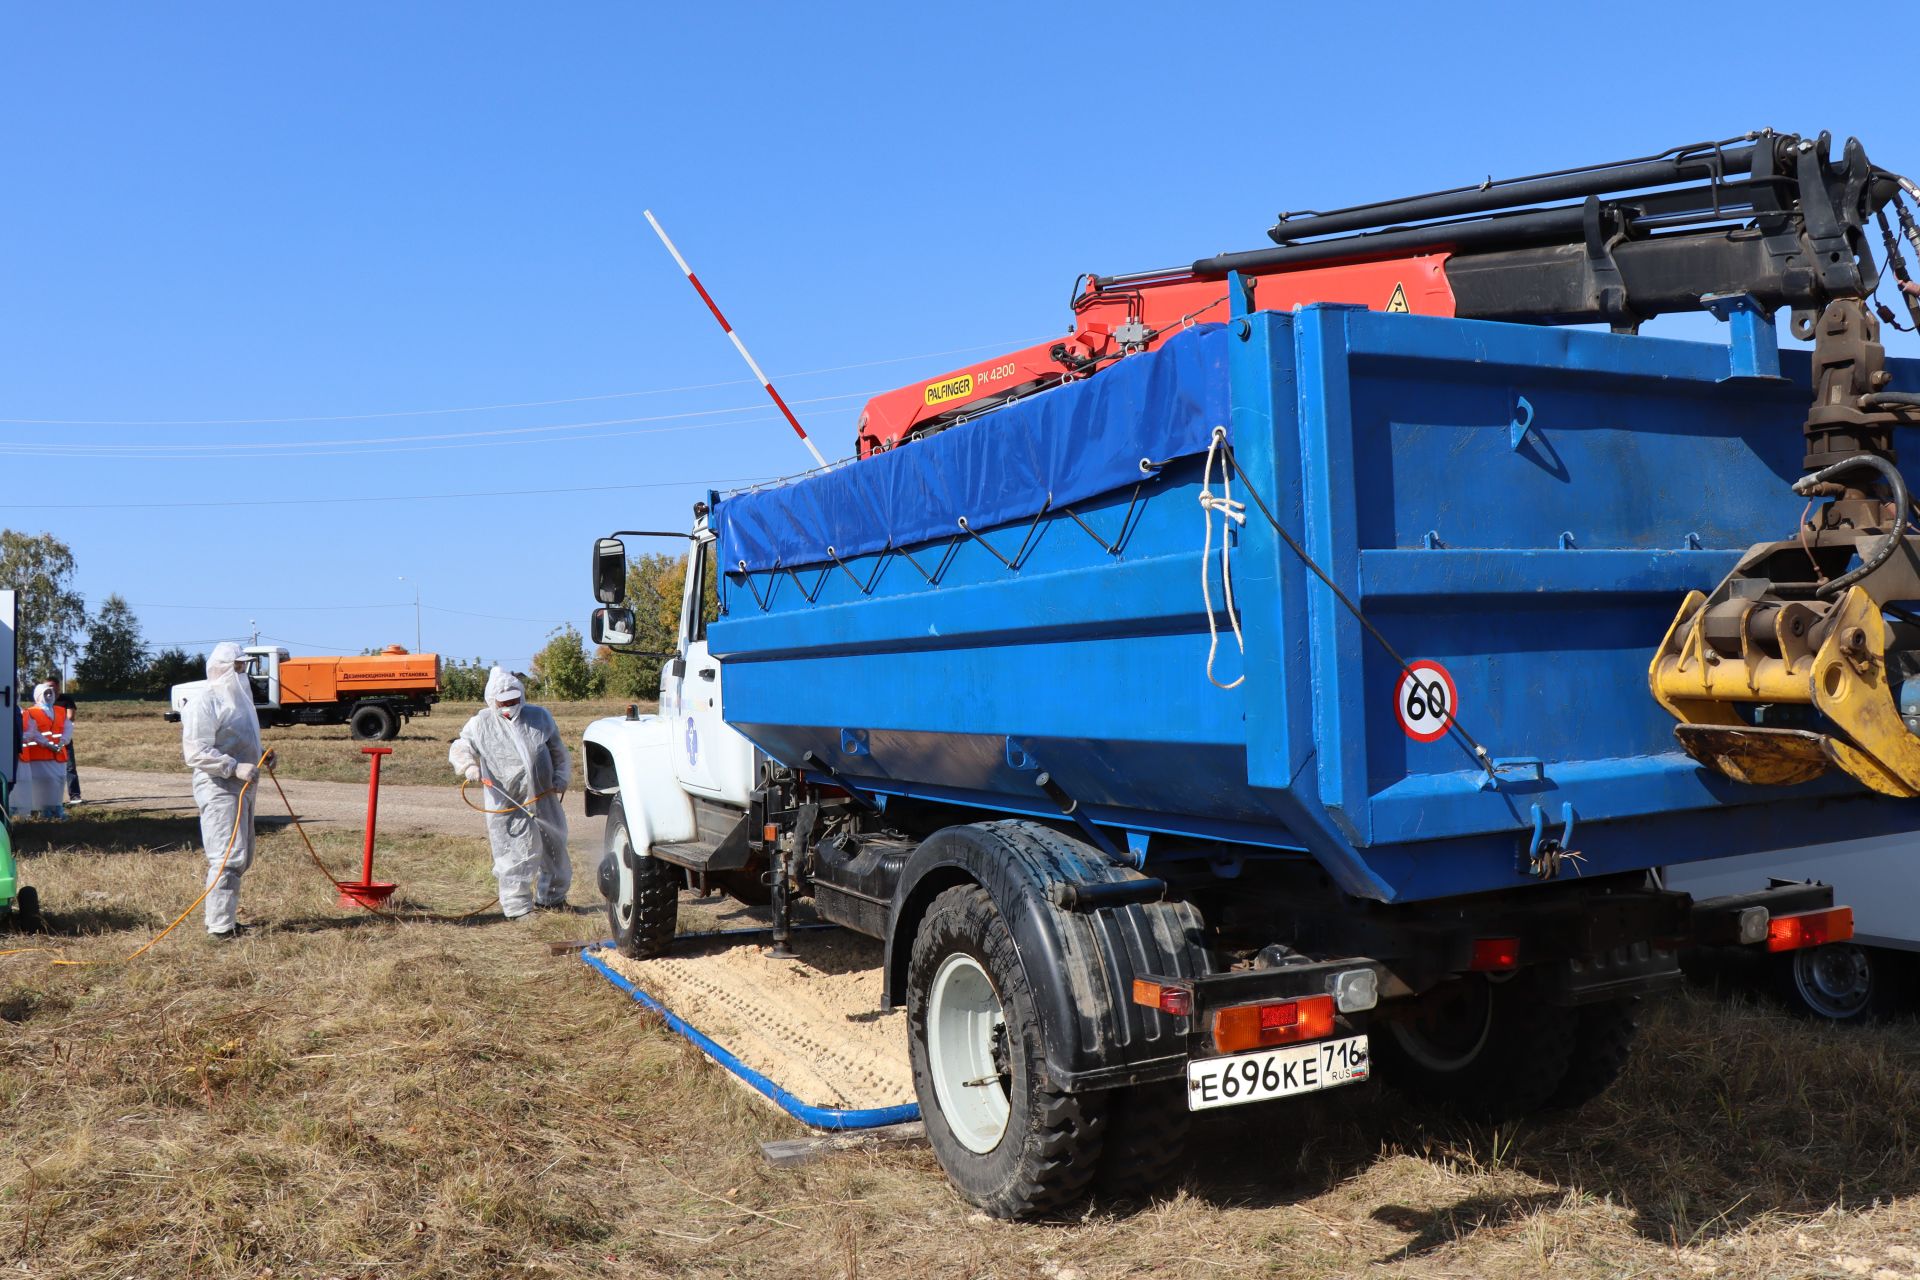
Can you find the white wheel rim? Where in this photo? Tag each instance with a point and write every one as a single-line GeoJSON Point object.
{"type": "Point", "coordinates": [623, 906]}
{"type": "Point", "coordinates": [964, 1020]}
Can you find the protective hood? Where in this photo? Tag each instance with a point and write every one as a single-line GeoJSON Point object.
{"type": "Point", "coordinates": [224, 660]}
{"type": "Point", "coordinates": [503, 684]}
{"type": "Point", "coordinates": [43, 694]}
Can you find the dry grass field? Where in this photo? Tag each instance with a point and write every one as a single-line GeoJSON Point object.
{"type": "Point", "coordinates": [134, 735]}
{"type": "Point", "coordinates": [339, 1096]}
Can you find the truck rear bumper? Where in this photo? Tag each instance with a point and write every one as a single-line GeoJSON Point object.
{"type": "Point", "coordinates": [1640, 957]}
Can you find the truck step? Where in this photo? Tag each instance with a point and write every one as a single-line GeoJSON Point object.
{"type": "Point", "coordinates": [724, 842]}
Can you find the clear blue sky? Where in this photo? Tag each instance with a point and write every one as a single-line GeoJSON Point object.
{"type": "Point", "coordinates": [355, 213]}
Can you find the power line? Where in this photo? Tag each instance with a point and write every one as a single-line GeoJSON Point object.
{"type": "Point", "coordinates": [134, 452]}
{"type": "Point", "coordinates": [392, 497]}
{"type": "Point", "coordinates": [477, 408]}
{"type": "Point", "coordinates": [395, 444]}
{"type": "Point", "coordinates": [272, 608]}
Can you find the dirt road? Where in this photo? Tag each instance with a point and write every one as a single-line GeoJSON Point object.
{"type": "Point", "coordinates": [327, 806]}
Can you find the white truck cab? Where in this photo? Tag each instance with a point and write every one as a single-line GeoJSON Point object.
{"type": "Point", "coordinates": [263, 672]}
{"type": "Point", "coordinates": [674, 786]}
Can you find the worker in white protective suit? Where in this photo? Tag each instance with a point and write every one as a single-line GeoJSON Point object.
{"type": "Point", "coordinates": [220, 738]}
{"type": "Point", "coordinates": [517, 751]}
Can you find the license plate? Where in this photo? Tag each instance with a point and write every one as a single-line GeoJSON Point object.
{"type": "Point", "coordinates": [1275, 1073]}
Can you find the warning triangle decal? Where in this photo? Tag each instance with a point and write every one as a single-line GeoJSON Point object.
{"type": "Point", "coordinates": [1398, 302]}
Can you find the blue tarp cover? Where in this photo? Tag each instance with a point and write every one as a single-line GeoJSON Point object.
{"type": "Point", "coordinates": [1073, 443]}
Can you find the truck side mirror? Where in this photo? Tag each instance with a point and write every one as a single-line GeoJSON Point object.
{"type": "Point", "coordinates": [612, 627]}
{"type": "Point", "coordinates": [609, 571]}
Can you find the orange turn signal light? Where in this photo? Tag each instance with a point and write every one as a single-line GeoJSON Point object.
{"type": "Point", "coordinates": [1261, 1026]}
{"type": "Point", "coordinates": [1169, 999]}
{"type": "Point", "coordinates": [1809, 929]}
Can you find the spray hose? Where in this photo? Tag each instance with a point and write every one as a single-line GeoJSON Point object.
{"type": "Point", "coordinates": [514, 805]}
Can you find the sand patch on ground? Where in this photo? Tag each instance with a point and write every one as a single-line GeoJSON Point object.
{"type": "Point", "coordinates": [812, 1025]}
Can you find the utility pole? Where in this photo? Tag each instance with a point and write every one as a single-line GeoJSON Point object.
{"type": "Point", "coordinates": [417, 647]}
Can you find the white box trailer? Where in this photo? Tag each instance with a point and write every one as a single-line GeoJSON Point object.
{"type": "Point", "coordinates": [1878, 875]}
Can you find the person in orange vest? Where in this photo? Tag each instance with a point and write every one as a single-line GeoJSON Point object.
{"type": "Point", "coordinates": [46, 731]}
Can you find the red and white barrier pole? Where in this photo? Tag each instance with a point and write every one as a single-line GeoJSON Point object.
{"type": "Point", "coordinates": [739, 346]}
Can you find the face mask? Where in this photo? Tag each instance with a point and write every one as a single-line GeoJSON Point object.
{"type": "Point", "coordinates": [509, 713]}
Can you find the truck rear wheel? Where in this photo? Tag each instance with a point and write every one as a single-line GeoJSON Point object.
{"type": "Point", "coordinates": [1602, 1044]}
{"type": "Point", "coordinates": [1010, 1144]}
{"type": "Point", "coordinates": [373, 724]}
{"type": "Point", "coordinates": [1492, 1050]}
{"type": "Point", "coordinates": [643, 893]}
{"type": "Point", "coordinates": [1840, 982]}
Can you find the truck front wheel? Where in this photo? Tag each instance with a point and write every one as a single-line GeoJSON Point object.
{"type": "Point", "coordinates": [643, 893]}
{"type": "Point", "coordinates": [373, 724]}
{"type": "Point", "coordinates": [1493, 1050]}
{"type": "Point", "coordinates": [1010, 1144]}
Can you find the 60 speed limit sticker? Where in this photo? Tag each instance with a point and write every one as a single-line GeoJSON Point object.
{"type": "Point", "coordinates": [1425, 699]}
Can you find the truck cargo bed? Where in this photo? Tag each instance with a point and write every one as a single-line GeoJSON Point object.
{"type": "Point", "coordinates": [1518, 511]}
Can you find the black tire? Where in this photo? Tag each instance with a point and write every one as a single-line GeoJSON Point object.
{"type": "Point", "coordinates": [373, 723]}
{"type": "Point", "coordinates": [1490, 1050]}
{"type": "Point", "coordinates": [1147, 1130]}
{"type": "Point", "coordinates": [643, 893]}
{"type": "Point", "coordinates": [1603, 1037]}
{"type": "Point", "coordinates": [1842, 982]}
{"type": "Point", "coordinates": [26, 909]}
{"type": "Point", "coordinates": [1049, 1149]}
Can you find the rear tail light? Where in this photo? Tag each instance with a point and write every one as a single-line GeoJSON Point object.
{"type": "Point", "coordinates": [1167, 998]}
{"type": "Point", "coordinates": [1493, 954]}
{"type": "Point", "coordinates": [1261, 1026]}
{"type": "Point", "coordinates": [1809, 929]}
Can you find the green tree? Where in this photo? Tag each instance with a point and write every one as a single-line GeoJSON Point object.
{"type": "Point", "coordinates": [50, 613]}
{"type": "Point", "coordinates": [171, 667]}
{"type": "Point", "coordinates": [116, 656]}
{"type": "Point", "coordinates": [561, 672]}
{"type": "Point", "coordinates": [464, 681]}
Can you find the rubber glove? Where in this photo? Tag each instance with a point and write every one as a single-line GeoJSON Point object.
{"type": "Point", "coordinates": [473, 773]}
{"type": "Point", "coordinates": [245, 771]}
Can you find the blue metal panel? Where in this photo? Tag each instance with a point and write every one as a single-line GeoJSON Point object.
{"type": "Point", "coordinates": [1540, 571]}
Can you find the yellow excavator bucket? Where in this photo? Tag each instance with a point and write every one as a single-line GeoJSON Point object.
{"type": "Point", "coordinates": [1844, 678]}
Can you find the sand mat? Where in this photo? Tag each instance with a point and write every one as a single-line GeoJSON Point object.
{"type": "Point", "coordinates": [812, 1025]}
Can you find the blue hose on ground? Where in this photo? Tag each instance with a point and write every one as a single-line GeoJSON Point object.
{"type": "Point", "coordinates": [805, 1113]}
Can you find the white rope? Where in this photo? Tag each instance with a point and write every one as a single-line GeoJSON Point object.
{"type": "Point", "coordinates": [1230, 511]}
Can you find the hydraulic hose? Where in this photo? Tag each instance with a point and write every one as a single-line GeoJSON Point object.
{"type": "Point", "coordinates": [1806, 484]}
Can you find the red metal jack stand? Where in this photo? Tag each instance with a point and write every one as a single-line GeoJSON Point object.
{"type": "Point", "coordinates": [369, 892]}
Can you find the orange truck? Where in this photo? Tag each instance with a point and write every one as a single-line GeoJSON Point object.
{"type": "Point", "coordinates": [370, 693]}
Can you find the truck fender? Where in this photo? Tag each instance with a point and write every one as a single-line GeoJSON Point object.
{"type": "Point", "coordinates": [633, 760]}
{"type": "Point", "coordinates": [1080, 965]}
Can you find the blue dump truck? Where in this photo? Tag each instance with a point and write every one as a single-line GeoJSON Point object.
{"type": "Point", "coordinates": [1293, 701]}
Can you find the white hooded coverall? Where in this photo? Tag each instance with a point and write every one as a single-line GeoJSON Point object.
{"type": "Point", "coordinates": [520, 755]}
{"type": "Point", "coordinates": [219, 731]}
{"type": "Point", "coordinates": [39, 785]}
